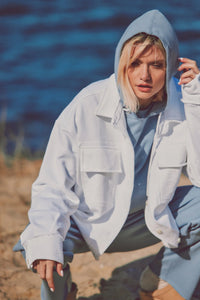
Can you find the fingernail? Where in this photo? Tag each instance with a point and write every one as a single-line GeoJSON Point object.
{"type": "Point", "coordinates": [61, 272]}
{"type": "Point", "coordinates": [52, 290]}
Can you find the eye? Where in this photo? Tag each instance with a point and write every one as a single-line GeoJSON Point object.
{"type": "Point", "coordinates": [135, 63]}
{"type": "Point", "coordinates": [158, 65]}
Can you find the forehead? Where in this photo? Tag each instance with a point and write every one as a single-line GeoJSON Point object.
{"type": "Point", "coordinates": [152, 52]}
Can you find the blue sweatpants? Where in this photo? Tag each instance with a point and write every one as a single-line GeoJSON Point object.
{"type": "Point", "coordinates": [179, 267]}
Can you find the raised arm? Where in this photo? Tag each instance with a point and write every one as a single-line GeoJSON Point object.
{"type": "Point", "coordinates": [190, 81]}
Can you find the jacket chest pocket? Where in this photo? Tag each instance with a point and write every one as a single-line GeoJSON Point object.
{"type": "Point", "coordinates": [101, 172]}
{"type": "Point", "coordinates": [171, 158]}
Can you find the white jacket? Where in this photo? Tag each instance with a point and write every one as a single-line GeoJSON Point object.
{"type": "Point", "coordinates": [88, 170]}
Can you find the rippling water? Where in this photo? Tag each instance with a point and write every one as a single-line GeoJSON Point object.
{"type": "Point", "coordinates": [52, 49]}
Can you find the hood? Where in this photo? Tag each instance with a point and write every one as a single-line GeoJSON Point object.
{"type": "Point", "coordinates": [154, 23]}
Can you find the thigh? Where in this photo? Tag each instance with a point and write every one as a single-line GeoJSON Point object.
{"type": "Point", "coordinates": [134, 235]}
{"type": "Point", "coordinates": [181, 265]}
{"type": "Point", "coordinates": [185, 207]}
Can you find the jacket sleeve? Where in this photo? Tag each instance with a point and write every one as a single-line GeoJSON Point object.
{"type": "Point", "coordinates": [53, 199]}
{"type": "Point", "coordinates": [191, 100]}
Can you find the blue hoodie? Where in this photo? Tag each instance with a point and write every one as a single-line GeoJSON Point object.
{"type": "Point", "coordinates": [154, 23]}
{"type": "Point", "coordinates": [141, 126]}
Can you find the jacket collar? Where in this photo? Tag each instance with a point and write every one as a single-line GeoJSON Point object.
{"type": "Point", "coordinates": [110, 103]}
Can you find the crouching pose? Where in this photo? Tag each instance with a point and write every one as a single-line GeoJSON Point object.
{"type": "Point", "coordinates": [110, 174]}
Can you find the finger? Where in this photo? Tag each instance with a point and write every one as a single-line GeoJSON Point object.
{"type": "Point", "coordinates": [188, 74]}
{"type": "Point", "coordinates": [185, 60]}
{"type": "Point", "coordinates": [188, 64]}
{"type": "Point", "coordinates": [35, 264]}
{"type": "Point", "coordinates": [49, 275]}
{"type": "Point", "coordinates": [59, 269]}
{"type": "Point", "coordinates": [41, 269]}
{"type": "Point", "coordinates": [185, 81]}
{"type": "Point", "coordinates": [187, 77]}
{"type": "Point", "coordinates": [186, 67]}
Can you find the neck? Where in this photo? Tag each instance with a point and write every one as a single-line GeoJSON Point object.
{"type": "Point", "coordinates": [144, 104]}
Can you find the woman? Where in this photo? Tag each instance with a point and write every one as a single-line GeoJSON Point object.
{"type": "Point", "coordinates": [120, 144]}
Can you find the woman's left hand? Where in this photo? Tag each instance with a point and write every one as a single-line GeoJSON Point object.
{"type": "Point", "coordinates": [189, 69]}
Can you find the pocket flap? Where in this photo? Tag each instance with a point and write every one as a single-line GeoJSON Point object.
{"type": "Point", "coordinates": [172, 156]}
{"type": "Point", "coordinates": [100, 160]}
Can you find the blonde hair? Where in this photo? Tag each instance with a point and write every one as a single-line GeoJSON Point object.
{"type": "Point", "coordinates": [128, 55]}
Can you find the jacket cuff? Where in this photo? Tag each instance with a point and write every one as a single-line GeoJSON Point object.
{"type": "Point", "coordinates": [44, 247]}
{"type": "Point", "coordinates": [191, 91]}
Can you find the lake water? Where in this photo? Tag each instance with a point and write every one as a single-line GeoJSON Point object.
{"type": "Point", "coordinates": [52, 49]}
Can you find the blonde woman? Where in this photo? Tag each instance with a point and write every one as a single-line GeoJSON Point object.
{"type": "Point", "coordinates": [109, 177]}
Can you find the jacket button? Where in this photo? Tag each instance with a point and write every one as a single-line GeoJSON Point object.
{"type": "Point", "coordinates": [159, 231]}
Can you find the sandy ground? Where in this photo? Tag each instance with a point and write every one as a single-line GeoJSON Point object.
{"type": "Point", "coordinates": [114, 276]}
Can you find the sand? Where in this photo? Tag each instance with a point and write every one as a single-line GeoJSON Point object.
{"type": "Point", "coordinates": [114, 276]}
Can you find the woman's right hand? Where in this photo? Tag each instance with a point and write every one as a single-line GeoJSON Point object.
{"type": "Point", "coordinates": [45, 270]}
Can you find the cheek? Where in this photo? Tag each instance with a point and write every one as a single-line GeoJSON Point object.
{"type": "Point", "coordinates": [129, 73]}
{"type": "Point", "coordinates": [160, 81]}
{"type": "Point", "coordinates": [131, 76]}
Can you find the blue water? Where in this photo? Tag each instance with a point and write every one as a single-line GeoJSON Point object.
{"type": "Point", "coordinates": [52, 49]}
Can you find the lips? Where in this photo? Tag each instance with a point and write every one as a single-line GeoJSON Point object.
{"type": "Point", "coordinates": [144, 87]}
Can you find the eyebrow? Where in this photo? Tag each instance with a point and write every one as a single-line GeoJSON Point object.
{"type": "Point", "coordinates": [153, 61]}
{"type": "Point", "coordinates": [159, 61]}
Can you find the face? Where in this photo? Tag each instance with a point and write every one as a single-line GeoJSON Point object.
{"type": "Point", "coordinates": [146, 75]}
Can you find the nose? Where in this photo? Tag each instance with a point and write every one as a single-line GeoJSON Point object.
{"type": "Point", "coordinates": [145, 73]}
